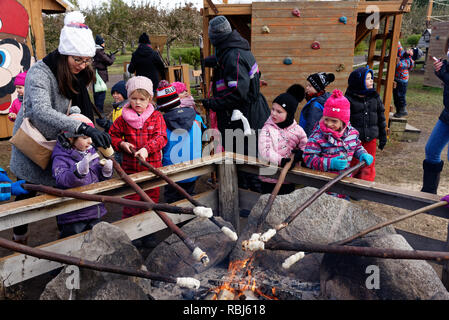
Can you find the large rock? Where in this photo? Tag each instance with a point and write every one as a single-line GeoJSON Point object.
{"type": "Point", "coordinates": [173, 258]}
{"type": "Point", "coordinates": [326, 220]}
{"type": "Point", "coordinates": [345, 277]}
{"type": "Point", "coordinates": [107, 244]}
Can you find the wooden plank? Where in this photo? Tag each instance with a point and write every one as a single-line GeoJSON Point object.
{"type": "Point", "coordinates": [19, 267]}
{"type": "Point", "coordinates": [302, 6]}
{"type": "Point", "coordinates": [384, 6]}
{"type": "Point", "coordinates": [371, 191]}
{"type": "Point", "coordinates": [278, 45]}
{"type": "Point", "coordinates": [228, 200]}
{"type": "Point", "coordinates": [228, 9]}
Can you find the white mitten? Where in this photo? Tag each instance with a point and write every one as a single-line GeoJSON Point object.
{"type": "Point", "coordinates": [83, 166]}
{"type": "Point", "coordinates": [238, 115]}
{"type": "Point", "coordinates": [107, 169]}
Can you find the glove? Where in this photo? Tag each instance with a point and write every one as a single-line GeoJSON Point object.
{"type": "Point", "coordinates": [4, 177]}
{"type": "Point", "coordinates": [446, 198]}
{"type": "Point", "coordinates": [83, 166]}
{"type": "Point", "coordinates": [107, 169]}
{"type": "Point", "coordinates": [367, 158]}
{"type": "Point", "coordinates": [104, 123]}
{"type": "Point", "coordinates": [339, 163]}
{"type": "Point", "coordinates": [297, 157]}
{"type": "Point", "coordinates": [99, 138]}
{"type": "Point", "coordinates": [382, 143]}
{"type": "Point", "coordinates": [16, 188]}
{"type": "Point", "coordinates": [284, 162]}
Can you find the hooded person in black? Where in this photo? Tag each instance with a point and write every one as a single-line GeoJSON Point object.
{"type": "Point", "coordinates": [236, 86]}
{"type": "Point", "coordinates": [147, 62]}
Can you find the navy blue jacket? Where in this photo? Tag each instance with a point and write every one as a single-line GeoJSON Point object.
{"type": "Point", "coordinates": [312, 112]}
{"type": "Point", "coordinates": [443, 74]}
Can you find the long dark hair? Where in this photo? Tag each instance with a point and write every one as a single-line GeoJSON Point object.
{"type": "Point", "coordinates": [66, 79]}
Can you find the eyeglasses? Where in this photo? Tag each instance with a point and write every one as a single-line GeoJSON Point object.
{"type": "Point", "coordinates": [80, 61]}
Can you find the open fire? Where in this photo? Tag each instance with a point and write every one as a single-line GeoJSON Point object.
{"type": "Point", "coordinates": [240, 284]}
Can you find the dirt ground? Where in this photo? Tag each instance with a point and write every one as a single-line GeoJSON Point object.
{"type": "Point", "coordinates": [399, 164]}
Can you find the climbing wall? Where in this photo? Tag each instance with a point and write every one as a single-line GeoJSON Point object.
{"type": "Point", "coordinates": [438, 41]}
{"type": "Point", "coordinates": [283, 34]}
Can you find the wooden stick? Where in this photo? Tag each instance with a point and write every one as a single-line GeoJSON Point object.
{"type": "Point", "coordinates": [274, 194]}
{"type": "Point", "coordinates": [388, 222]}
{"type": "Point", "coordinates": [70, 260]}
{"type": "Point", "coordinates": [108, 199]}
{"type": "Point", "coordinates": [197, 253]}
{"type": "Point", "coordinates": [362, 251]}
{"type": "Point", "coordinates": [178, 188]}
{"type": "Point", "coordinates": [318, 193]}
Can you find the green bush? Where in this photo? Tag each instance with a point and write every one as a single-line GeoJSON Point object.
{"type": "Point", "coordinates": [188, 55]}
{"type": "Point", "coordinates": [361, 49]}
{"type": "Point", "coordinates": [412, 41]}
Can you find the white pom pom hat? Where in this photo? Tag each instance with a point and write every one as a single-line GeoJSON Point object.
{"type": "Point", "coordinates": [76, 38]}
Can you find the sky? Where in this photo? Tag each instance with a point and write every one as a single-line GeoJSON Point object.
{"type": "Point", "coordinates": [86, 4]}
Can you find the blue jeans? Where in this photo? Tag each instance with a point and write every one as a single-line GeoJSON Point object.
{"type": "Point", "coordinates": [99, 98]}
{"type": "Point", "coordinates": [399, 94]}
{"type": "Point", "coordinates": [438, 139]}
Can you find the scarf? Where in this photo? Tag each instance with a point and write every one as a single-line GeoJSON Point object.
{"type": "Point", "coordinates": [80, 99]}
{"type": "Point", "coordinates": [134, 119]}
{"type": "Point", "coordinates": [328, 131]}
{"type": "Point", "coordinates": [313, 95]}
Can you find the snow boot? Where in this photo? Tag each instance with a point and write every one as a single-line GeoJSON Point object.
{"type": "Point", "coordinates": [431, 176]}
{"type": "Point", "coordinates": [400, 112]}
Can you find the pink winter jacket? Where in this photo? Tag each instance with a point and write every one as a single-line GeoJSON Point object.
{"type": "Point", "coordinates": [15, 107]}
{"type": "Point", "coordinates": [276, 143]}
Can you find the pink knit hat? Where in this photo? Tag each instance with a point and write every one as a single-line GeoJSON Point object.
{"type": "Point", "coordinates": [180, 87]}
{"type": "Point", "coordinates": [139, 82]}
{"type": "Point", "coordinates": [20, 79]}
{"type": "Point", "coordinates": [75, 113]}
{"type": "Point", "coordinates": [337, 106]}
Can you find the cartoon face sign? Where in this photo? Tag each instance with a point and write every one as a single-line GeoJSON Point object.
{"type": "Point", "coordinates": [15, 56]}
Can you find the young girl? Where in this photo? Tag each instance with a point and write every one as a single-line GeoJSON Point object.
{"type": "Point", "coordinates": [367, 117]}
{"type": "Point", "coordinates": [335, 142]}
{"type": "Point", "coordinates": [184, 95]}
{"type": "Point", "coordinates": [19, 82]}
{"type": "Point", "coordinates": [76, 163]}
{"type": "Point", "coordinates": [143, 128]}
{"type": "Point", "coordinates": [281, 136]}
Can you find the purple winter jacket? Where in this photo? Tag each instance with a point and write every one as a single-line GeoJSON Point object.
{"type": "Point", "coordinates": [63, 170]}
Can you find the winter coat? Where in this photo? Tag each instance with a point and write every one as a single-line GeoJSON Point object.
{"type": "Point", "coordinates": [147, 62]}
{"type": "Point", "coordinates": [184, 135]}
{"type": "Point", "coordinates": [276, 143]}
{"type": "Point", "coordinates": [64, 171]}
{"type": "Point", "coordinates": [147, 130]}
{"type": "Point", "coordinates": [443, 74]}
{"type": "Point", "coordinates": [237, 85]}
{"type": "Point", "coordinates": [102, 61]}
{"type": "Point", "coordinates": [323, 146]}
{"type": "Point", "coordinates": [312, 112]}
{"type": "Point", "coordinates": [367, 115]}
{"type": "Point", "coordinates": [15, 108]}
{"type": "Point", "coordinates": [117, 109]}
{"type": "Point", "coordinates": [404, 65]}
{"type": "Point", "coordinates": [46, 107]}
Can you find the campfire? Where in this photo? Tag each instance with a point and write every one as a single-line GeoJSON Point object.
{"type": "Point", "coordinates": [240, 284]}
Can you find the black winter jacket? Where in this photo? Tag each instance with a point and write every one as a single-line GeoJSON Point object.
{"type": "Point", "coordinates": [146, 62]}
{"type": "Point", "coordinates": [101, 63]}
{"type": "Point", "coordinates": [368, 115]}
{"type": "Point", "coordinates": [237, 85]}
{"type": "Point", "coordinates": [443, 74]}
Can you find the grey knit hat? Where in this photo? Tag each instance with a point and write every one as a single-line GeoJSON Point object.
{"type": "Point", "coordinates": [219, 29]}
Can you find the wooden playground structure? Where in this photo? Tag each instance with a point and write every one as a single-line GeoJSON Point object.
{"type": "Point", "coordinates": [276, 33]}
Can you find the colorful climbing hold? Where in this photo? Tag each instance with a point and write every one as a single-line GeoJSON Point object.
{"type": "Point", "coordinates": [316, 45]}
{"type": "Point", "coordinates": [296, 12]}
{"type": "Point", "coordinates": [288, 61]}
{"type": "Point", "coordinates": [265, 29]}
{"type": "Point", "coordinates": [340, 68]}
{"type": "Point", "coordinates": [343, 19]}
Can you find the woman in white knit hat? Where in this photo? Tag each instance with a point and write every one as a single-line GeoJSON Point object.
{"type": "Point", "coordinates": [63, 75]}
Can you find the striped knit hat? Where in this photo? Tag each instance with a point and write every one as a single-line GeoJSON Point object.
{"type": "Point", "coordinates": [167, 97]}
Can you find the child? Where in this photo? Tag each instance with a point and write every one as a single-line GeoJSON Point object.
{"type": "Point", "coordinates": [404, 65]}
{"type": "Point", "coordinates": [367, 116]}
{"type": "Point", "coordinates": [19, 82]}
{"type": "Point", "coordinates": [334, 143]}
{"type": "Point", "coordinates": [143, 128]}
{"type": "Point", "coordinates": [184, 134]}
{"type": "Point", "coordinates": [281, 136]}
{"type": "Point", "coordinates": [316, 96]}
{"type": "Point", "coordinates": [8, 188]}
{"type": "Point", "coordinates": [186, 99]}
{"type": "Point", "coordinates": [120, 96]}
{"type": "Point", "coordinates": [75, 163]}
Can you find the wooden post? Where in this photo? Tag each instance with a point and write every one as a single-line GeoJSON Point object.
{"type": "Point", "coordinates": [445, 272]}
{"type": "Point", "coordinates": [186, 76]}
{"type": "Point", "coordinates": [228, 194]}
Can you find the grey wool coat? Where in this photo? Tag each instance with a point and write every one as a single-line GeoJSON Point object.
{"type": "Point", "coordinates": [46, 108]}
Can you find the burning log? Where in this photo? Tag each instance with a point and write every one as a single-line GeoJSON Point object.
{"type": "Point", "coordinates": [257, 240]}
{"type": "Point", "coordinates": [197, 253]}
{"type": "Point", "coordinates": [108, 199]}
{"type": "Point", "coordinates": [69, 260]}
{"type": "Point", "coordinates": [362, 251]}
{"type": "Point", "coordinates": [228, 232]}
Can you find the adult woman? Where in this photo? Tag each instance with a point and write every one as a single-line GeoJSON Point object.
{"type": "Point", "coordinates": [439, 138]}
{"type": "Point", "coordinates": [62, 76]}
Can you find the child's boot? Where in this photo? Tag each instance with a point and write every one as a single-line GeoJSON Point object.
{"type": "Point", "coordinates": [431, 176]}
{"type": "Point", "coordinates": [21, 239]}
